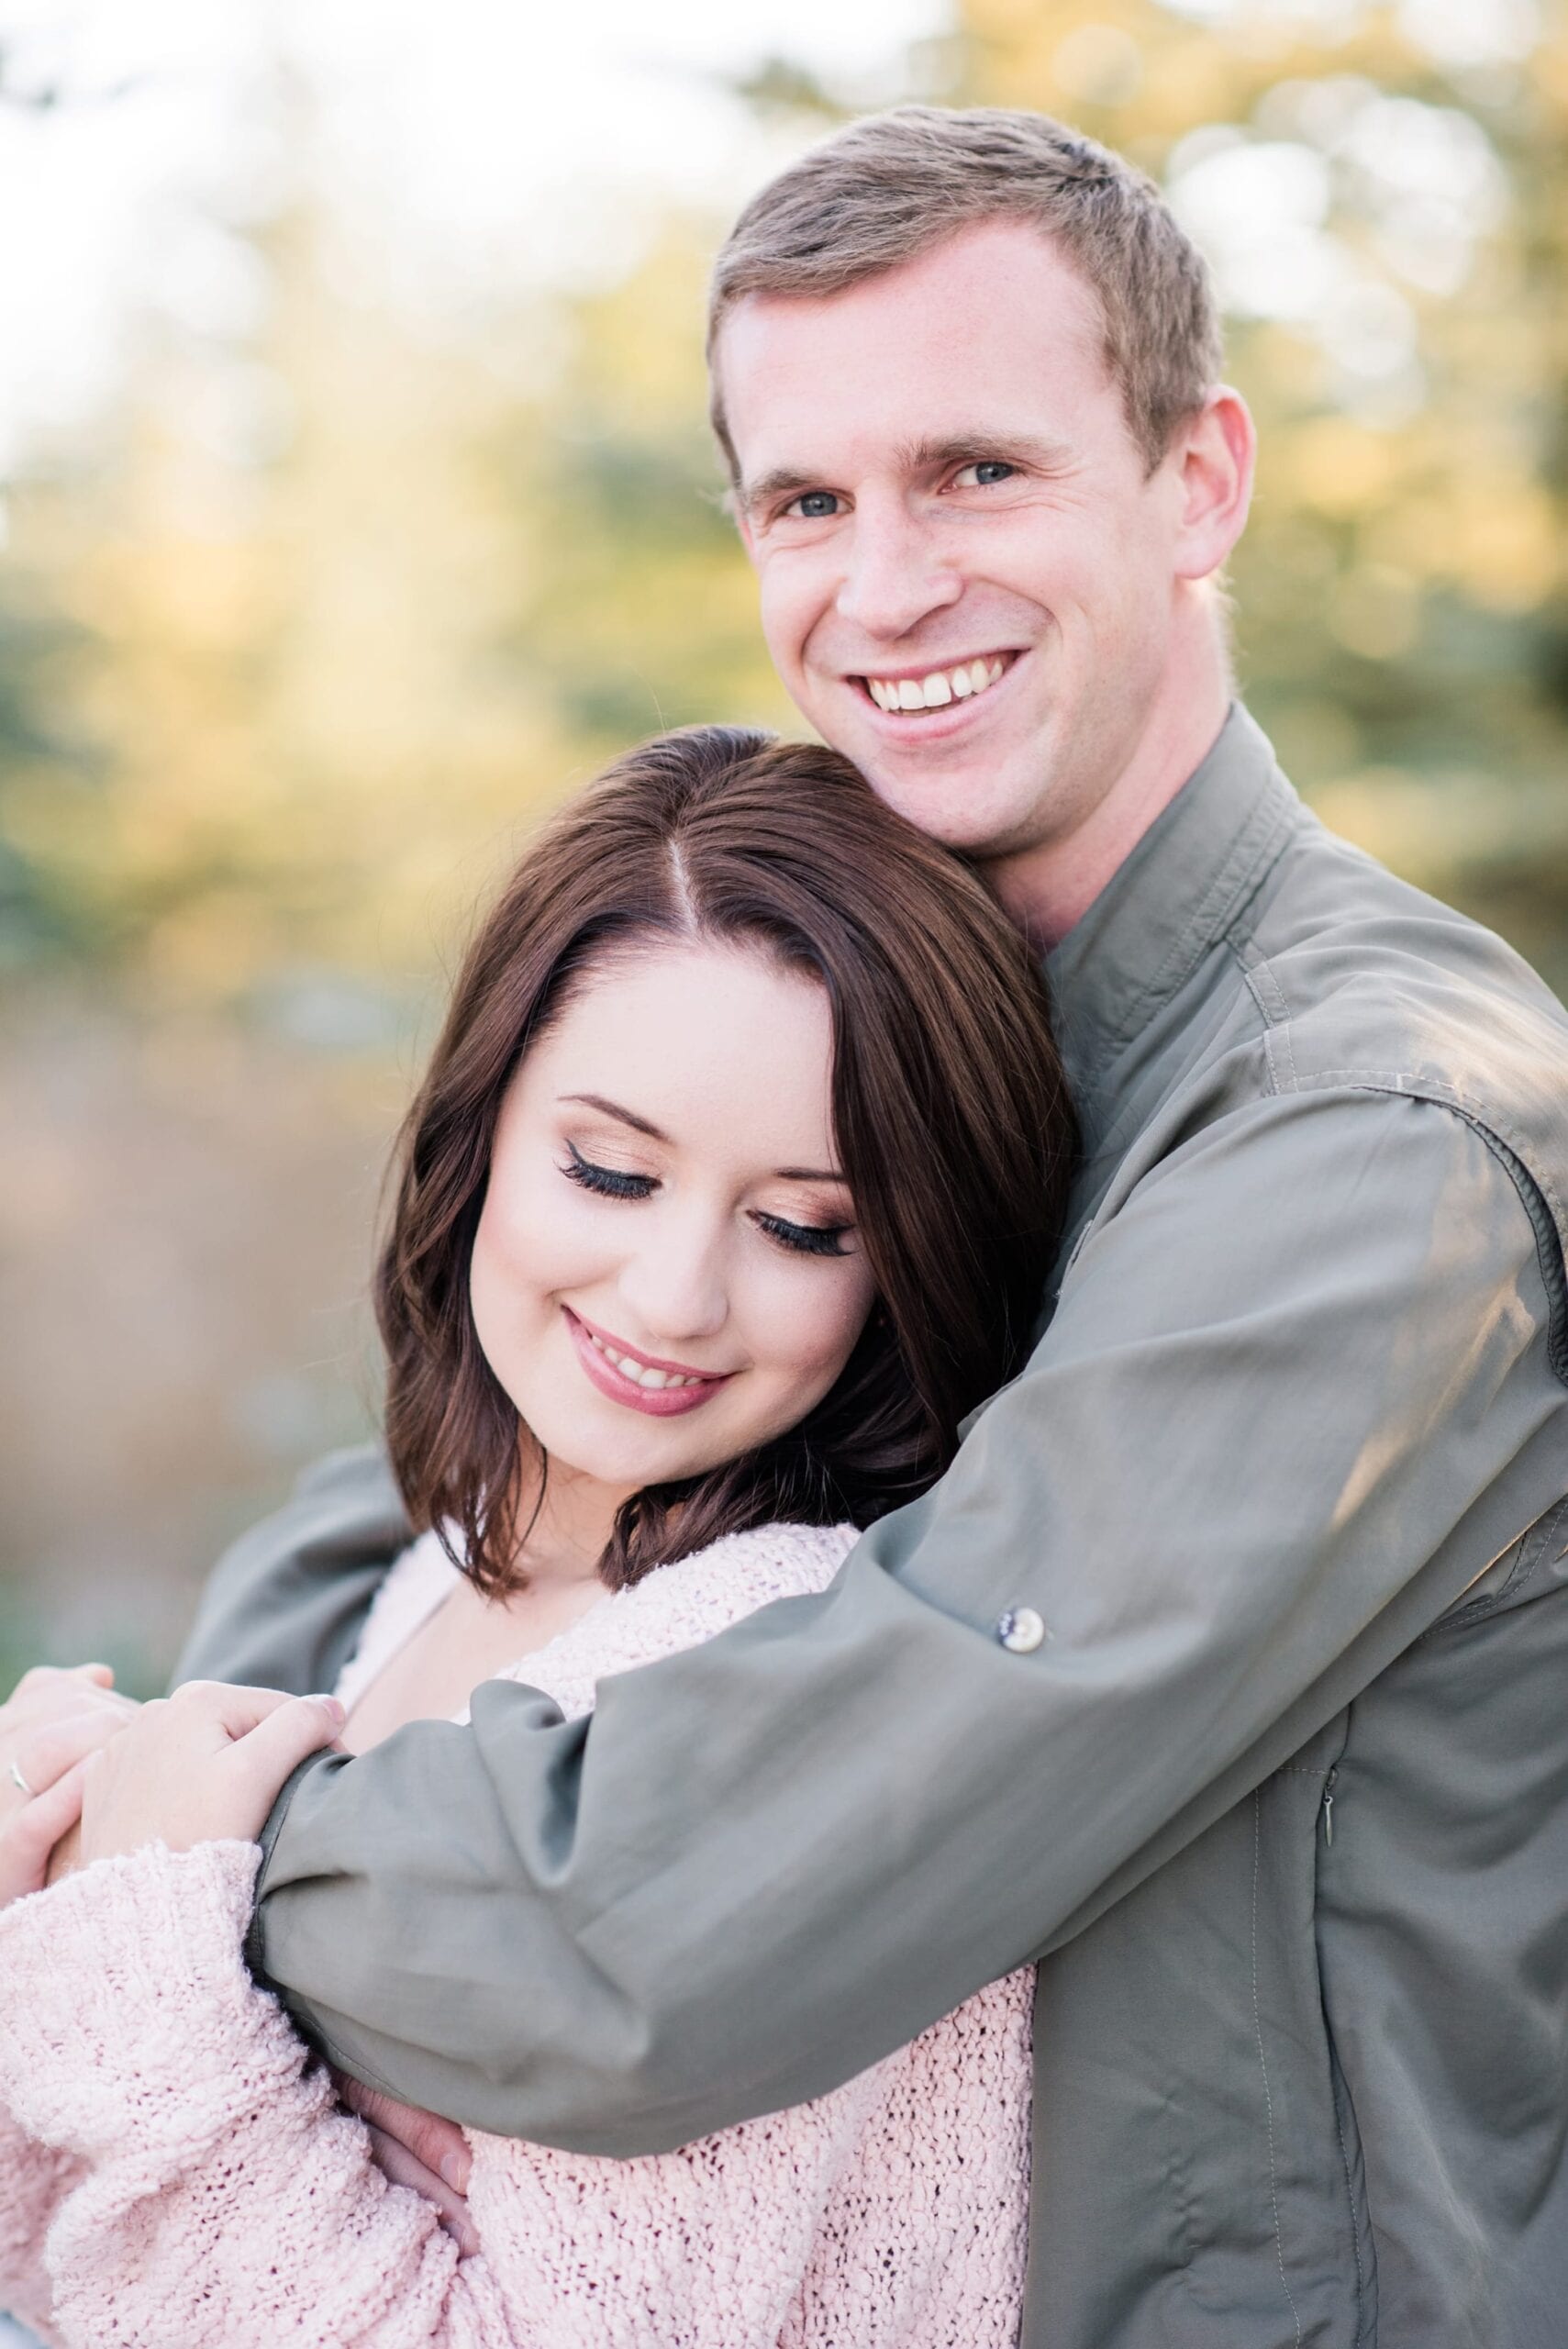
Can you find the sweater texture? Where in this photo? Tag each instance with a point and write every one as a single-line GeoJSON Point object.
{"type": "Point", "coordinates": [175, 2172]}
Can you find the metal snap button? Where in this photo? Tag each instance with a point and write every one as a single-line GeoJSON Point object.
{"type": "Point", "coordinates": [1020, 1630]}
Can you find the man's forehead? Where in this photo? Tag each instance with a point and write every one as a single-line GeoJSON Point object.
{"type": "Point", "coordinates": [990, 332]}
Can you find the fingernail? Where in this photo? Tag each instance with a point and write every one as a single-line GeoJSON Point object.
{"type": "Point", "coordinates": [455, 2170]}
{"type": "Point", "coordinates": [331, 1705]}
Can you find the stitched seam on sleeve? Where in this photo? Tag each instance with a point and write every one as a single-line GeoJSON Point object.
{"type": "Point", "coordinates": [1263, 2068]}
{"type": "Point", "coordinates": [1534, 1546]}
{"type": "Point", "coordinates": [1540, 1202]}
{"type": "Point", "coordinates": [1264, 989]}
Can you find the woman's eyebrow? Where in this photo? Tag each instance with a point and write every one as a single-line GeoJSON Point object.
{"type": "Point", "coordinates": [644, 1126]}
{"type": "Point", "coordinates": [613, 1109]}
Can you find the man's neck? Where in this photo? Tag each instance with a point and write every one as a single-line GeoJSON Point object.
{"type": "Point", "coordinates": [1047, 889]}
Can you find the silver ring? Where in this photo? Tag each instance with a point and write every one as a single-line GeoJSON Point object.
{"type": "Point", "coordinates": [18, 1780]}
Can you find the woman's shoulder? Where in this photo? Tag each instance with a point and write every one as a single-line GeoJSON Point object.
{"type": "Point", "coordinates": [743, 1571]}
{"type": "Point", "coordinates": [683, 1604]}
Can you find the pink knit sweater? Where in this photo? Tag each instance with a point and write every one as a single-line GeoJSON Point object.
{"type": "Point", "coordinates": [200, 2189]}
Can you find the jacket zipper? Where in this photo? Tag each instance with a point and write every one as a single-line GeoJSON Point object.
{"type": "Point", "coordinates": [1328, 1805]}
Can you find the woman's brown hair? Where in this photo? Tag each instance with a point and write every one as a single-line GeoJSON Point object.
{"type": "Point", "coordinates": [949, 1108]}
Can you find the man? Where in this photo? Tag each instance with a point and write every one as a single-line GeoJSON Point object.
{"type": "Point", "coordinates": [1223, 1673]}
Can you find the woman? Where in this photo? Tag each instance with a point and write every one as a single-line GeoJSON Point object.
{"type": "Point", "coordinates": [730, 1190]}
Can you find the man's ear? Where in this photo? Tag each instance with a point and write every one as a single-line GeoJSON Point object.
{"type": "Point", "coordinates": [1214, 455]}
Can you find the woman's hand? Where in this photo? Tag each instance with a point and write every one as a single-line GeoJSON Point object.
{"type": "Point", "coordinates": [411, 2147]}
{"type": "Point", "coordinates": [52, 1722]}
{"type": "Point", "coordinates": [197, 1767]}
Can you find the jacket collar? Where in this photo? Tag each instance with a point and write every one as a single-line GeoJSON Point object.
{"type": "Point", "coordinates": [1163, 910]}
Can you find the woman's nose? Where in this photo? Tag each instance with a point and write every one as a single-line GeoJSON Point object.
{"type": "Point", "coordinates": [675, 1285]}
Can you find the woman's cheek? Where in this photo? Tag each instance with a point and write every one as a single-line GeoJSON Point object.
{"type": "Point", "coordinates": [541, 1235]}
{"type": "Point", "coordinates": [826, 1311]}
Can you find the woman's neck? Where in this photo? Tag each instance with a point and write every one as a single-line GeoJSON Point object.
{"type": "Point", "coordinates": [571, 1528]}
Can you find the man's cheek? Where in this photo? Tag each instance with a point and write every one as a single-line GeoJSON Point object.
{"type": "Point", "coordinates": [788, 614]}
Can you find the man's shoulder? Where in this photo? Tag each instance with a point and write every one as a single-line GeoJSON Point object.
{"type": "Point", "coordinates": [1363, 984]}
{"type": "Point", "coordinates": [1361, 978]}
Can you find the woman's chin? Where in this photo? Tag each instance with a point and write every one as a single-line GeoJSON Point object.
{"type": "Point", "coordinates": [622, 1461]}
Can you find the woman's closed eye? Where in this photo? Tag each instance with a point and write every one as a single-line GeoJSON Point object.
{"type": "Point", "coordinates": [610, 1182]}
{"type": "Point", "coordinates": [615, 1182]}
{"type": "Point", "coordinates": [803, 1239]}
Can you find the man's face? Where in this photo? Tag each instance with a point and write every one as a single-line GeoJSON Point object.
{"type": "Point", "coordinates": [944, 503]}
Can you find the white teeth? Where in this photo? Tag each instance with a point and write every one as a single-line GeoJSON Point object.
{"type": "Point", "coordinates": [935, 691]}
{"type": "Point", "coordinates": [641, 1373]}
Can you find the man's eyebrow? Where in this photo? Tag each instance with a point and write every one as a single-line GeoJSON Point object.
{"type": "Point", "coordinates": [929, 454]}
{"type": "Point", "coordinates": [782, 480]}
{"type": "Point", "coordinates": [613, 1109]}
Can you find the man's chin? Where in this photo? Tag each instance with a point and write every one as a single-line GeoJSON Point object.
{"type": "Point", "coordinates": [966, 805]}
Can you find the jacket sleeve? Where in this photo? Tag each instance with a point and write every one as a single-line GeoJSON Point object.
{"type": "Point", "coordinates": [221, 2201]}
{"type": "Point", "coordinates": [34, 2182]}
{"type": "Point", "coordinates": [284, 1605]}
{"type": "Point", "coordinates": [1295, 1395]}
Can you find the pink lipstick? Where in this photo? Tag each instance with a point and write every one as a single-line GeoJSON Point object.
{"type": "Point", "coordinates": [603, 1357]}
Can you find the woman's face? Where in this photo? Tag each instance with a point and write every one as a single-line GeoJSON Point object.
{"type": "Point", "coordinates": [666, 1271]}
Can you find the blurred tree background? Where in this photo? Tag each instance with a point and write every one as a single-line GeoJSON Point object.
{"type": "Point", "coordinates": [301, 632]}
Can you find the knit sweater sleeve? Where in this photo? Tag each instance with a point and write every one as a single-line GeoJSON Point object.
{"type": "Point", "coordinates": [224, 2201]}
{"type": "Point", "coordinates": [33, 2181]}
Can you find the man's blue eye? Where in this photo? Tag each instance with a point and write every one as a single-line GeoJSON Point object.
{"type": "Point", "coordinates": [987, 470]}
{"type": "Point", "coordinates": [815, 505]}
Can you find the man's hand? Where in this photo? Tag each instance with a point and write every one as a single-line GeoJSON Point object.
{"type": "Point", "coordinates": [416, 2149]}
{"type": "Point", "coordinates": [201, 1765]}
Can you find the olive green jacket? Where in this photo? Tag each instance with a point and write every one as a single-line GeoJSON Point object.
{"type": "Point", "coordinates": [1281, 1798]}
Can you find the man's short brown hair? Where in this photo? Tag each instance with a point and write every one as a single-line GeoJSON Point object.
{"type": "Point", "coordinates": [893, 185]}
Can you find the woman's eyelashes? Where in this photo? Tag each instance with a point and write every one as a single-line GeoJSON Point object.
{"type": "Point", "coordinates": [614, 1183]}
{"type": "Point", "coordinates": [610, 1182]}
{"type": "Point", "coordinates": [805, 1239]}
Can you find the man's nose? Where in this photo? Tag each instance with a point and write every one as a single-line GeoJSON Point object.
{"type": "Point", "coordinates": [896, 573]}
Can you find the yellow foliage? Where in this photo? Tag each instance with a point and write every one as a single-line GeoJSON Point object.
{"type": "Point", "coordinates": [316, 694]}
{"type": "Point", "coordinates": [1340, 467]}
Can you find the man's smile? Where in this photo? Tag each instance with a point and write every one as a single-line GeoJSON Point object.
{"type": "Point", "coordinates": [911, 699]}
